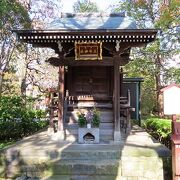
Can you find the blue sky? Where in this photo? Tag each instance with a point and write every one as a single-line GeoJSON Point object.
{"type": "Point", "coordinates": [102, 4]}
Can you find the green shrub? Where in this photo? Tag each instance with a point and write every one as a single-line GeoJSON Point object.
{"type": "Point", "coordinates": [159, 128]}
{"type": "Point", "coordinates": [81, 120]}
{"type": "Point", "coordinates": [92, 117]}
{"type": "Point", "coordinates": [5, 144]}
{"type": "Point", "coordinates": [96, 118]}
{"type": "Point", "coordinates": [18, 119]}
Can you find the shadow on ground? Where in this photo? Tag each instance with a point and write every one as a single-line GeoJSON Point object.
{"type": "Point", "coordinates": [42, 157]}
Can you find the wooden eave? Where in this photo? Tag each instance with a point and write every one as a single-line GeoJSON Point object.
{"type": "Point", "coordinates": [106, 61]}
{"type": "Point", "coordinates": [127, 38]}
{"type": "Point", "coordinates": [39, 37]}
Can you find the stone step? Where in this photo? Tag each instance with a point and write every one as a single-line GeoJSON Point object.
{"type": "Point", "coordinates": [74, 167]}
{"type": "Point", "coordinates": [38, 156]}
{"type": "Point", "coordinates": [86, 155]}
{"type": "Point", "coordinates": [84, 177]}
{"type": "Point", "coordinates": [86, 152]}
{"type": "Point", "coordinates": [87, 167]}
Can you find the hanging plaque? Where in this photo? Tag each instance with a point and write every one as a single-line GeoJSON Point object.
{"type": "Point", "coordinates": [88, 50]}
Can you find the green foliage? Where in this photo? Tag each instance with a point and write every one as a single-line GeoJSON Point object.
{"type": "Point", "coordinates": [153, 61]}
{"type": "Point", "coordinates": [81, 120]}
{"type": "Point", "coordinates": [96, 118]}
{"type": "Point", "coordinates": [17, 119]}
{"type": "Point", "coordinates": [5, 144]}
{"type": "Point", "coordinates": [13, 15]}
{"type": "Point", "coordinates": [10, 83]}
{"type": "Point", "coordinates": [142, 68]}
{"type": "Point", "coordinates": [92, 117]}
{"type": "Point", "coordinates": [82, 6]}
{"type": "Point", "coordinates": [169, 14]}
{"type": "Point", "coordinates": [173, 74]}
{"type": "Point", "coordinates": [159, 128]}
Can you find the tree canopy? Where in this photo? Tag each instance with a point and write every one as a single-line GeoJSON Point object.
{"type": "Point", "coordinates": [13, 15]}
{"type": "Point", "coordinates": [16, 58]}
{"type": "Point", "coordinates": [154, 62]}
{"type": "Point", "coordinates": [157, 62]}
{"type": "Point", "coordinates": [85, 6]}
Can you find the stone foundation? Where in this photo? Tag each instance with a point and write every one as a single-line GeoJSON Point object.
{"type": "Point", "coordinates": [139, 157]}
{"type": "Point", "coordinates": [82, 132]}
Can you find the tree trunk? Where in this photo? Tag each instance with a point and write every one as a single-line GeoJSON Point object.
{"type": "Point", "coordinates": [61, 99]}
{"type": "Point", "coordinates": [23, 87]}
{"type": "Point", "coordinates": [158, 84]}
{"type": "Point", "coordinates": [1, 83]}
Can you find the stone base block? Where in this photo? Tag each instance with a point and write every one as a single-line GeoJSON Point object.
{"type": "Point", "coordinates": [92, 132]}
{"type": "Point", "coordinates": [117, 136]}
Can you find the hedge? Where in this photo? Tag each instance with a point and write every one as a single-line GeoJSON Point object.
{"type": "Point", "coordinates": [18, 119]}
{"type": "Point", "coordinates": [160, 129]}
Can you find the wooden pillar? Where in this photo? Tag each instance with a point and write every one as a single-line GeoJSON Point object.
{"type": "Point", "coordinates": [116, 96]}
{"type": "Point", "coordinates": [61, 99]}
{"type": "Point", "coordinates": [51, 113]}
{"type": "Point", "coordinates": [69, 80]}
{"type": "Point", "coordinates": [121, 81]}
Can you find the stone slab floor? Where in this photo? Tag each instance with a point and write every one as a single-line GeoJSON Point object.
{"type": "Point", "coordinates": [41, 156]}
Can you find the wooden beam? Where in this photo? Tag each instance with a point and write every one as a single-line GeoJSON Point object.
{"type": "Point", "coordinates": [121, 81]}
{"type": "Point", "coordinates": [71, 62]}
{"type": "Point", "coordinates": [116, 97]}
{"type": "Point", "coordinates": [82, 32]}
{"type": "Point", "coordinates": [51, 110]}
{"type": "Point", "coordinates": [61, 99]}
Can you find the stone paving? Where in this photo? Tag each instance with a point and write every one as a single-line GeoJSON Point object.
{"type": "Point", "coordinates": [40, 156]}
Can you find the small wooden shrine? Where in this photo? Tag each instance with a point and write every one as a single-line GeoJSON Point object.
{"type": "Point", "coordinates": [92, 49]}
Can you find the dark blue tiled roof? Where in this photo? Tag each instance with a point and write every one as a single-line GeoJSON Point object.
{"type": "Point", "coordinates": [93, 21]}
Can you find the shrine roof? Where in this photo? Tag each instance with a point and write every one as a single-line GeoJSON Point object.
{"type": "Point", "coordinates": [170, 86]}
{"type": "Point", "coordinates": [85, 21]}
{"type": "Point", "coordinates": [133, 79]}
{"type": "Point", "coordinates": [89, 27]}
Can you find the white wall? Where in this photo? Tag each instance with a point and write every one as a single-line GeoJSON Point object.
{"type": "Point", "coordinates": [172, 101]}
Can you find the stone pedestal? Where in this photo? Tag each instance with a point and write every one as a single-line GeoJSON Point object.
{"type": "Point", "coordinates": [117, 136]}
{"type": "Point", "coordinates": [93, 133]}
